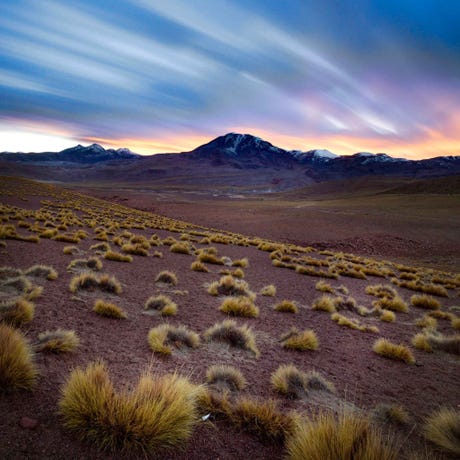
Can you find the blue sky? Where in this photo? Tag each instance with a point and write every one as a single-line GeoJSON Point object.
{"type": "Point", "coordinates": [167, 75]}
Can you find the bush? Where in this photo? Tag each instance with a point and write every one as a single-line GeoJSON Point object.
{"type": "Point", "coordinates": [443, 429]}
{"type": "Point", "coordinates": [286, 306]}
{"type": "Point", "coordinates": [421, 342]}
{"type": "Point", "coordinates": [226, 377]}
{"type": "Point", "coordinates": [243, 263]}
{"type": "Point", "coordinates": [16, 312]}
{"type": "Point", "coordinates": [324, 303]}
{"type": "Point", "coordinates": [198, 266]}
{"type": "Point", "coordinates": [343, 437]}
{"type": "Point", "coordinates": [166, 277]}
{"type": "Point", "coordinates": [90, 282]}
{"type": "Point", "coordinates": [268, 291]}
{"type": "Point", "coordinates": [159, 413]}
{"type": "Point", "coordinates": [58, 341]}
{"type": "Point", "coordinates": [161, 304]}
{"type": "Point", "coordinates": [180, 248]}
{"type": "Point", "coordinates": [239, 306]}
{"type": "Point", "coordinates": [384, 347]}
{"type": "Point", "coordinates": [394, 304]}
{"type": "Point", "coordinates": [425, 301]}
{"type": "Point", "coordinates": [229, 286]}
{"type": "Point", "coordinates": [322, 286]}
{"type": "Point", "coordinates": [108, 310]}
{"type": "Point", "coordinates": [290, 382]}
{"type": "Point", "coordinates": [93, 263]}
{"type": "Point", "coordinates": [387, 316]}
{"type": "Point", "coordinates": [390, 414]}
{"type": "Point", "coordinates": [162, 337]}
{"type": "Point", "coordinates": [300, 340]}
{"type": "Point", "coordinates": [17, 369]}
{"type": "Point", "coordinates": [42, 271]}
{"type": "Point", "coordinates": [117, 256]}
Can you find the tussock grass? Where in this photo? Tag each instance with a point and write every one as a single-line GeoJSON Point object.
{"type": "Point", "coordinates": [228, 332]}
{"type": "Point", "coordinates": [108, 310]}
{"type": "Point", "coordinates": [426, 321]}
{"type": "Point", "coordinates": [69, 250]}
{"type": "Point", "coordinates": [159, 413]}
{"type": "Point", "coordinates": [93, 263]}
{"type": "Point", "coordinates": [381, 291]}
{"type": "Point", "coordinates": [17, 369]}
{"type": "Point", "coordinates": [387, 349]}
{"type": "Point", "coordinates": [7, 272]}
{"type": "Point", "coordinates": [229, 286]}
{"type": "Point", "coordinates": [165, 336]}
{"type": "Point", "coordinates": [387, 316]}
{"type": "Point", "coordinates": [443, 429]}
{"type": "Point", "coordinates": [180, 248]}
{"type": "Point", "coordinates": [88, 281]}
{"type": "Point", "coordinates": [210, 258]}
{"type": "Point", "coordinates": [342, 437]}
{"type": "Point", "coordinates": [431, 288]}
{"type": "Point", "coordinates": [239, 306]}
{"type": "Point", "coordinates": [290, 382]}
{"type": "Point", "coordinates": [390, 414]}
{"type": "Point", "coordinates": [135, 249]}
{"type": "Point", "coordinates": [58, 341]}
{"type": "Point", "coordinates": [117, 256]}
{"type": "Point", "coordinates": [238, 273]}
{"type": "Point", "coordinates": [425, 301]}
{"type": "Point", "coordinates": [395, 303]}
{"type": "Point", "coordinates": [198, 266]}
{"type": "Point", "coordinates": [421, 342]}
{"type": "Point", "coordinates": [17, 311]}
{"type": "Point", "coordinates": [307, 270]}
{"type": "Point", "coordinates": [161, 304]}
{"type": "Point", "coordinates": [42, 271]}
{"type": "Point", "coordinates": [242, 263]}
{"type": "Point", "coordinates": [268, 291]}
{"type": "Point", "coordinates": [166, 277]}
{"type": "Point", "coordinates": [300, 340]}
{"type": "Point", "coordinates": [342, 320]}
{"type": "Point", "coordinates": [226, 377]}
{"type": "Point", "coordinates": [322, 286]}
{"type": "Point", "coordinates": [102, 247]}
{"type": "Point", "coordinates": [324, 303]}
{"type": "Point", "coordinates": [287, 306]}
{"type": "Point", "coordinates": [455, 322]}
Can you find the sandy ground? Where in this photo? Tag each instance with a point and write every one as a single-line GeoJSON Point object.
{"type": "Point", "coordinates": [345, 356]}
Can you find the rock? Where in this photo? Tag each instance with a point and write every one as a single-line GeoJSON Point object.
{"type": "Point", "coordinates": [28, 423]}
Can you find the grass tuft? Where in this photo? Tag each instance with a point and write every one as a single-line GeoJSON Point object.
{"type": "Point", "coordinates": [390, 414]}
{"type": "Point", "coordinates": [229, 286]}
{"type": "Point", "coordinates": [286, 306]}
{"type": "Point", "coordinates": [384, 347]}
{"type": "Point", "coordinates": [58, 341]}
{"type": "Point", "coordinates": [324, 303]}
{"type": "Point", "coordinates": [163, 337]}
{"type": "Point", "coordinates": [108, 310]}
{"type": "Point", "coordinates": [42, 271]}
{"type": "Point", "coordinates": [166, 277]}
{"type": "Point", "coordinates": [88, 281]}
{"type": "Point", "coordinates": [16, 312]}
{"type": "Point", "coordinates": [239, 306]}
{"type": "Point", "coordinates": [443, 429]}
{"type": "Point", "coordinates": [117, 256]}
{"type": "Point", "coordinates": [268, 291]}
{"type": "Point", "coordinates": [290, 382]}
{"type": "Point", "coordinates": [161, 304]}
{"type": "Point", "coordinates": [226, 377]}
{"type": "Point", "coordinates": [198, 266]}
{"type": "Point", "coordinates": [300, 340]}
{"type": "Point", "coordinates": [425, 301]}
{"type": "Point", "coordinates": [387, 316]}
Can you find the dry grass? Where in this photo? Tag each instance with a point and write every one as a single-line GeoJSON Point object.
{"type": "Point", "coordinates": [90, 282]}
{"type": "Point", "coordinates": [425, 301]}
{"type": "Point", "coordinates": [290, 382]}
{"type": "Point", "coordinates": [159, 413]}
{"type": "Point", "coordinates": [58, 341]}
{"type": "Point", "coordinates": [210, 258]}
{"type": "Point", "coordinates": [387, 316]}
{"type": "Point", "coordinates": [161, 304]}
{"type": "Point", "coordinates": [243, 263]}
{"type": "Point", "coordinates": [443, 429]}
{"type": "Point", "coordinates": [421, 342]}
{"type": "Point", "coordinates": [165, 336]}
{"type": "Point", "coordinates": [322, 286]}
{"type": "Point", "coordinates": [42, 271]}
{"type": "Point", "coordinates": [226, 377]}
{"type": "Point", "coordinates": [268, 291]}
{"type": "Point", "coordinates": [17, 369]}
{"type": "Point", "coordinates": [300, 340]}
{"type": "Point", "coordinates": [286, 306]}
{"type": "Point", "coordinates": [228, 332]}
{"type": "Point", "coordinates": [381, 291]}
{"type": "Point", "coordinates": [394, 304]}
{"type": "Point", "coordinates": [118, 256]}
{"type": "Point", "coordinates": [239, 306]}
{"type": "Point", "coordinates": [17, 312]}
{"type": "Point", "coordinates": [69, 250]}
{"type": "Point", "coordinates": [342, 320]}
{"type": "Point", "coordinates": [135, 249]}
{"type": "Point", "coordinates": [166, 277]}
{"type": "Point", "coordinates": [426, 321]}
{"type": "Point", "coordinates": [93, 263]}
{"type": "Point", "coordinates": [198, 266]}
{"type": "Point", "coordinates": [387, 349]}
{"type": "Point", "coordinates": [324, 303]}
{"type": "Point", "coordinates": [180, 248]}
{"type": "Point", "coordinates": [343, 437]}
{"type": "Point", "coordinates": [390, 414]}
{"type": "Point", "coordinates": [108, 310]}
{"type": "Point", "coordinates": [229, 286]}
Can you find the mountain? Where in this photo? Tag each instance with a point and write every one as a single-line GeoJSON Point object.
{"type": "Point", "coordinates": [91, 154]}
{"type": "Point", "coordinates": [233, 162]}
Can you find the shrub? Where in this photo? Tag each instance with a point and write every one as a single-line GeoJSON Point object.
{"type": "Point", "coordinates": [108, 310]}
{"type": "Point", "coordinates": [161, 304]}
{"type": "Point", "coordinates": [286, 306]}
{"type": "Point", "coordinates": [379, 290]}
{"type": "Point", "coordinates": [443, 429]}
{"type": "Point", "coordinates": [426, 321]}
{"type": "Point", "coordinates": [69, 249]}
{"type": "Point", "coordinates": [226, 377]}
{"type": "Point", "coordinates": [228, 332]}
{"type": "Point", "coordinates": [238, 273]}
{"type": "Point", "coordinates": [17, 369]}
{"type": "Point", "coordinates": [180, 248]}
{"type": "Point", "coordinates": [425, 301]}
{"type": "Point", "coordinates": [135, 249]}
{"type": "Point", "coordinates": [384, 347]}
{"type": "Point", "coordinates": [16, 312]}
{"type": "Point", "coordinates": [42, 271]}
{"type": "Point", "coordinates": [387, 316]}
{"type": "Point", "coordinates": [290, 382]}
{"type": "Point", "coordinates": [322, 286]}
{"type": "Point", "coordinates": [90, 282]}
{"type": "Point", "coordinates": [159, 413]}
{"type": "Point", "coordinates": [198, 266]}
{"type": "Point", "coordinates": [300, 340]}
{"type": "Point", "coordinates": [210, 258]}
{"type": "Point", "coordinates": [162, 337]}
{"type": "Point", "coordinates": [102, 247]}
{"type": "Point", "coordinates": [394, 304]}
{"type": "Point", "coordinates": [117, 256]}
{"type": "Point", "coordinates": [239, 306]}
{"type": "Point", "coordinates": [58, 341]}
{"type": "Point", "coordinates": [268, 291]}
{"type": "Point", "coordinates": [166, 277]}
{"type": "Point", "coordinates": [229, 286]}
{"type": "Point", "coordinates": [93, 263]}
{"type": "Point", "coordinates": [324, 303]}
{"type": "Point", "coordinates": [421, 342]}
{"type": "Point", "coordinates": [342, 437]}
{"type": "Point", "coordinates": [243, 263]}
{"type": "Point", "coordinates": [391, 414]}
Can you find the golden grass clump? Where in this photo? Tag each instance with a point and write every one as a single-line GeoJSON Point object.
{"type": "Point", "coordinates": [161, 304]}
{"type": "Point", "coordinates": [108, 310]}
{"type": "Point", "coordinates": [339, 437]}
{"type": "Point", "coordinates": [198, 266]}
{"type": "Point", "coordinates": [69, 249]}
{"type": "Point", "coordinates": [58, 341]}
{"type": "Point", "coordinates": [117, 256]}
{"type": "Point", "coordinates": [135, 249]}
{"type": "Point", "coordinates": [324, 303]}
{"type": "Point", "coordinates": [455, 322]}
{"type": "Point", "coordinates": [289, 381]}
{"type": "Point", "coordinates": [390, 414]}
{"type": "Point", "coordinates": [225, 377]}
{"type": "Point", "coordinates": [229, 286]}
{"type": "Point", "coordinates": [380, 290]}
{"type": "Point", "coordinates": [287, 306]}
{"type": "Point", "coordinates": [322, 286]}
{"type": "Point", "coordinates": [443, 429]}
{"type": "Point", "coordinates": [166, 277]}
{"type": "Point", "coordinates": [242, 263]}
{"type": "Point", "coordinates": [268, 291]}
{"type": "Point", "coordinates": [42, 271]}
{"type": "Point", "coordinates": [17, 311]}
{"type": "Point", "coordinates": [228, 332]}
{"type": "Point", "coordinates": [421, 342]}
{"type": "Point", "coordinates": [93, 263]}
{"type": "Point", "coordinates": [210, 258]}
{"type": "Point", "coordinates": [163, 337]}
{"type": "Point", "coordinates": [425, 301]}
{"type": "Point", "coordinates": [387, 316]}
{"type": "Point", "coordinates": [180, 248]}
{"type": "Point", "coordinates": [426, 321]}
{"type": "Point", "coordinates": [88, 281]}
{"type": "Point", "coordinates": [395, 303]}
{"type": "Point", "coordinates": [239, 306]}
{"type": "Point", "coordinates": [159, 413]}
{"type": "Point", "coordinates": [387, 349]}
{"type": "Point", "coordinates": [17, 369]}
{"type": "Point", "coordinates": [300, 340]}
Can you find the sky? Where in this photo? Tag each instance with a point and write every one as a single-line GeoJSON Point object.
{"type": "Point", "coordinates": [168, 75]}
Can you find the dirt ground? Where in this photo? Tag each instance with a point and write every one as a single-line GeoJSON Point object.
{"type": "Point", "coordinates": [344, 357]}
